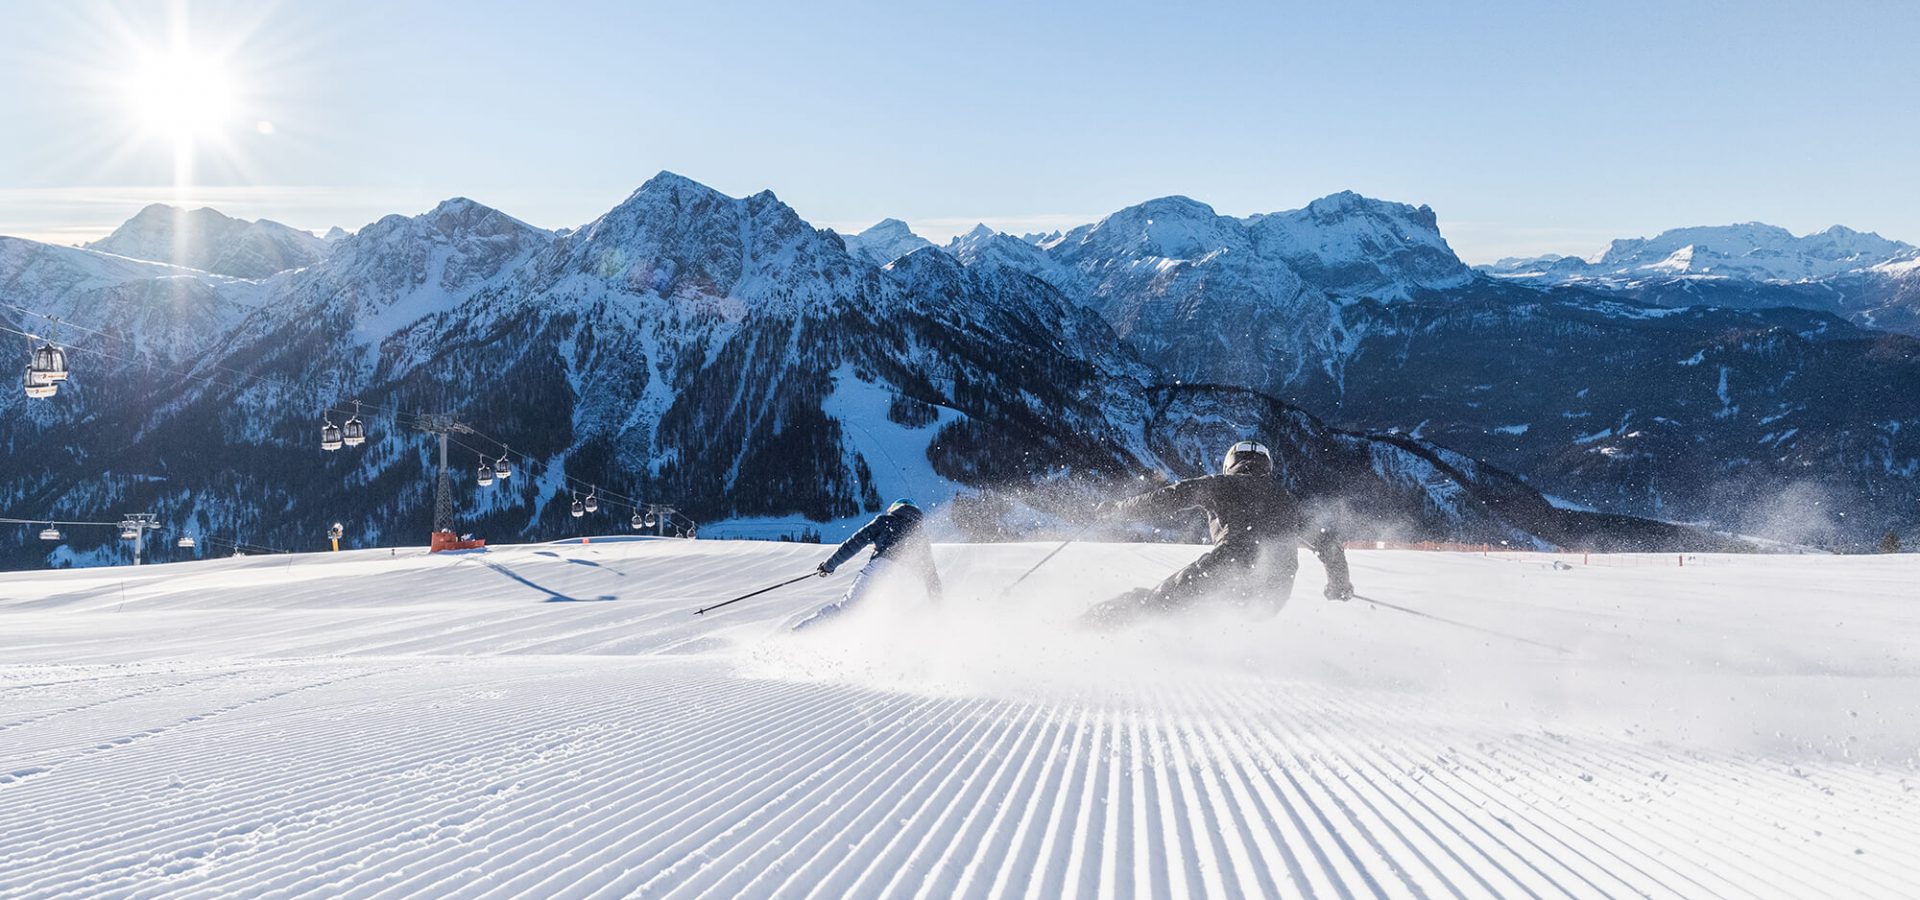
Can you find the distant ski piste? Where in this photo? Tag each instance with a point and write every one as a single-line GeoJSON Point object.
{"type": "Point", "coordinates": [552, 720]}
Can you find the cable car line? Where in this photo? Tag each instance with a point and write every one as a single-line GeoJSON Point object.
{"type": "Point", "coordinates": [48, 368]}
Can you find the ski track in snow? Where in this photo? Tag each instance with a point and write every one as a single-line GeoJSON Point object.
{"type": "Point", "coordinates": [550, 720]}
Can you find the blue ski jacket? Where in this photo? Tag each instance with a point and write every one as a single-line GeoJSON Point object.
{"type": "Point", "coordinates": [895, 537]}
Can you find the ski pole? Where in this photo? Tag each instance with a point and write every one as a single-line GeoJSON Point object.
{"type": "Point", "coordinates": [1460, 624]}
{"type": "Point", "coordinates": [704, 610]}
{"type": "Point", "coordinates": [1043, 560]}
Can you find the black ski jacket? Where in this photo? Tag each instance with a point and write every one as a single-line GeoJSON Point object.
{"type": "Point", "coordinates": [1243, 510]}
{"type": "Point", "coordinates": [895, 537]}
{"type": "Point", "coordinates": [1238, 507]}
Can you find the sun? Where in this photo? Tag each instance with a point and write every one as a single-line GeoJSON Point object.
{"type": "Point", "coordinates": [181, 95]}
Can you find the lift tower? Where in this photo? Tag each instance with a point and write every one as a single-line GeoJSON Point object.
{"type": "Point", "coordinates": [444, 537]}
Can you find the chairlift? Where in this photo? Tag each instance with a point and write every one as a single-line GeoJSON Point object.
{"type": "Point", "coordinates": [51, 533]}
{"type": "Point", "coordinates": [579, 509]}
{"type": "Point", "coordinates": [186, 542]}
{"type": "Point", "coordinates": [330, 439]}
{"type": "Point", "coordinates": [484, 477]}
{"type": "Point", "coordinates": [38, 387]}
{"type": "Point", "coordinates": [502, 469]}
{"type": "Point", "coordinates": [637, 522]}
{"type": "Point", "coordinates": [354, 432]}
{"type": "Point", "coordinates": [593, 501]}
{"type": "Point", "coordinates": [651, 519]}
{"type": "Point", "coordinates": [129, 531]}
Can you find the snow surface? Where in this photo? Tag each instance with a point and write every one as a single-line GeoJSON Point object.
{"type": "Point", "coordinates": [896, 454]}
{"type": "Point", "coordinates": [551, 720]}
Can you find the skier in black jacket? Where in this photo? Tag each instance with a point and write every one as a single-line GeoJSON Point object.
{"type": "Point", "coordinates": [1255, 523]}
{"type": "Point", "coordinates": [899, 546]}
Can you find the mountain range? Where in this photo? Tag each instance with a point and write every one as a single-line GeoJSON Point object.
{"type": "Point", "coordinates": [1863, 277]}
{"type": "Point", "coordinates": [721, 354]}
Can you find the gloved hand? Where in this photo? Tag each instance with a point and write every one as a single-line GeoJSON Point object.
{"type": "Point", "coordinates": [1339, 591]}
{"type": "Point", "coordinates": [823, 570]}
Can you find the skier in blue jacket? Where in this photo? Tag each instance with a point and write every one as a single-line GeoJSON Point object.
{"type": "Point", "coordinates": [900, 547]}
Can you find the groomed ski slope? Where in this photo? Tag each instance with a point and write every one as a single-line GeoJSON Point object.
{"type": "Point", "coordinates": [550, 720]}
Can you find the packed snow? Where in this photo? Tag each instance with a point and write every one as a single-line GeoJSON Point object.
{"type": "Point", "coordinates": [552, 720]}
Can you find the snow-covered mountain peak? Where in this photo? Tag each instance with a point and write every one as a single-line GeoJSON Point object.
{"type": "Point", "coordinates": [1166, 227]}
{"type": "Point", "coordinates": [403, 268]}
{"type": "Point", "coordinates": [887, 228]}
{"type": "Point", "coordinates": [926, 262]}
{"type": "Point", "coordinates": [1356, 245]}
{"type": "Point", "coordinates": [1345, 204]}
{"type": "Point", "coordinates": [967, 246]}
{"type": "Point", "coordinates": [1743, 252]}
{"type": "Point", "coordinates": [677, 238]}
{"type": "Point", "coordinates": [457, 219]}
{"type": "Point", "coordinates": [208, 240]}
{"type": "Point", "coordinates": [886, 241]}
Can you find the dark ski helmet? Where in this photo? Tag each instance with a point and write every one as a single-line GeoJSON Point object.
{"type": "Point", "coordinates": [903, 503]}
{"type": "Point", "coordinates": [1248, 457]}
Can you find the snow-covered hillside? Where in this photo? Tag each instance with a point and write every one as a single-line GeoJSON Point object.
{"type": "Point", "coordinates": [552, 720]}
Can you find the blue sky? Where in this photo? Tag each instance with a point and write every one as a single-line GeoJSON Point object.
{"type": "Point", "coordinates": [1529, 127]}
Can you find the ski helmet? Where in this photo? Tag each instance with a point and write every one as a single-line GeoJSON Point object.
{"type": "Point", "coordinates": [902, 503]}
{"type": "Point", "coordinates": [1248, 453]}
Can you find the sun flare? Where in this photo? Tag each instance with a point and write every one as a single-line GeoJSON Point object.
{"type": "Point", "coordinates": [181, 96]}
